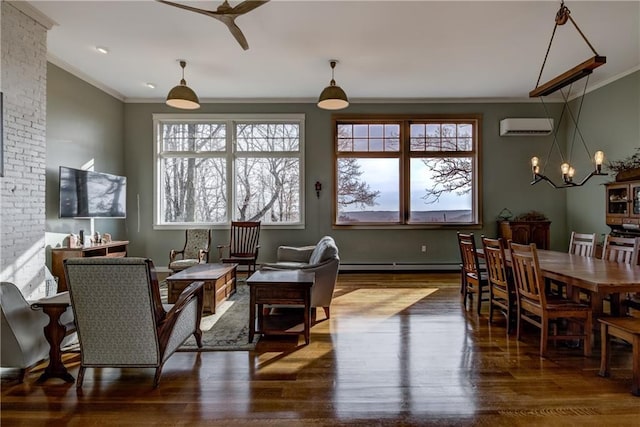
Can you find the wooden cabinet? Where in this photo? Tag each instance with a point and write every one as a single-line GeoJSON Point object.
{"type": "Point", "coordinates": [58, 255]}
{"type": "Point", "coordinates": [526, 232]}
{"type": "Point", "coordinates": [623, 207]}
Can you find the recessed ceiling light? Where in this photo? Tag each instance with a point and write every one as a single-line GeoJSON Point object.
{"type": "Point", "coordinates": [102, 50]}
{"type": "Point", "coordinates": [150, 85]}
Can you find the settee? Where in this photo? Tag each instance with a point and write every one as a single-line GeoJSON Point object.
{"type": "Point", "coordinates": [321, 259]}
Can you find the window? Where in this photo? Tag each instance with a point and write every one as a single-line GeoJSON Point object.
{"type": "Point", "coordinates": [406, 171]}
{"type": "Point", "coordinates": [212, 169]}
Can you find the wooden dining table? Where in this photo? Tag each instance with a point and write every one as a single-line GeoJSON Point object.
{"type": "Point", "coordinates": [596, 277]}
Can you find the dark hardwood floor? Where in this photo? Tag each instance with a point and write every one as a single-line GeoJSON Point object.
{"type": "Point", "coordinates": [398, 350]}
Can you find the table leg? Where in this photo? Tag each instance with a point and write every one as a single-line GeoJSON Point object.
{"type": "Point", "coordinates": [307, 315]}
{"type": "Point", "coordinates": [252, 313]}
{"type": "Point", "coordinates": [605, 351]}
{"type": "Point", "coordinates": [54, 333]}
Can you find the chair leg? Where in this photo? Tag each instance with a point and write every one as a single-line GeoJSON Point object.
{"type": "Point", "coordinates": [479, 294]}
{"type": "Point", "coordinates": [312, 321]}
{"type": "Point", "coordinates": [198, 336]}
{"type": "Point", "coordinates": [21, 375]}
{"type": "Point", "coordinates": [544, 336]}
{"type": "Point", "coordinates": [518, 322]}
{"type": "Point", "coordinates": [80, 379]}
{"type": "Point", "coordinates": [156, 379]}
{"type": "Point", "coordinates": [588, 329]}
{"type": "Point", "coordinates": [605, 351]}
{"type": "Point", "coordinates": [327, 312]}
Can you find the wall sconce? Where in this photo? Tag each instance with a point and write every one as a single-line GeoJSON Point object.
{"type": "Point", "coordinates": [318, 188]}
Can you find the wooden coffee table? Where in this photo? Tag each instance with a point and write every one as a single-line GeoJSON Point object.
{"type": "Point", "coordinates": [219, 283]}
{"type": "Point", "coordinates": [281, 287]}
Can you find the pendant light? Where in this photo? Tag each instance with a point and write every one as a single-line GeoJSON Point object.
{"type": "Point", "coordinates": [182, 96]}
{"type": "Point", "coordinates": [333, 97]}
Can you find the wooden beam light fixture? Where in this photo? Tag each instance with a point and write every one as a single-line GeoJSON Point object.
{"type": "Point", "coordinates": [557, 84]}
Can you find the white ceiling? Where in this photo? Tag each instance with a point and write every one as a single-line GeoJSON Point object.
{"type": "Point", "coordinates": [388, 50]}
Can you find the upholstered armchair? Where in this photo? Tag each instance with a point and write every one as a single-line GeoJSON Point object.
{"type": "Point", "coordinates": [321, 259]}
{"type": "Point", "coordinates": [120, 319]}
{"type": "Point", "coordinates": [195, 250]}
{"type": "Point", "coordinates": [23, 343]}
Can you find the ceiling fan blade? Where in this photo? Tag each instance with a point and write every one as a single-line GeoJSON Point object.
{"type": "Point", "coordinates": [247, 6]}
{"type": "Point", "coordinates": [235, 30]}
{"type": "Point", "coordinates": [185, 7]}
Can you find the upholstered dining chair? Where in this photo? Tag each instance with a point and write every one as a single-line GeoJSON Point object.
{"type": "Point", "coordinates": [537, 308]}
{"type": "Point", "coordinates": [195, 250]}
{"type": "Point", "coordinates": [243, 245]}
{"type": "Point", "coordinates": [120, 319]}
{"type": "Point", "coordinates": [475, 280]}
{"type": "Point", "coordinates": [502, 294]}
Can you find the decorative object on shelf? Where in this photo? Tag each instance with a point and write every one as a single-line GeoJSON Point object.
{"type": "Point", "coordinates": [505, 215]}
{"type": "Point", "coordinates": [557, 84]}
{"type": "Point", "coordinates": [97, 239]}
{"type": "Point", "coordinates": [627, 169]}
{"type": "Point", "coordinates": [333, 97]}
{"type": "Point", "coordinates": [531, 216]}
{"type": "Point", "coordinates": [318, 186]}
{"type": "Point", "coordinates": [182, 96]}
{"type": "Point", "coordinates": [106, 238]}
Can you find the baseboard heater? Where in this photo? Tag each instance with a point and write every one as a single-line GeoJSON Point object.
{"type": "Point", "coordinates": [399, 266]}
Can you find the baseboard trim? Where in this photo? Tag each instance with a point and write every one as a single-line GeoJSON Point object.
{"type": "Point", "coordinates": [400, 267]}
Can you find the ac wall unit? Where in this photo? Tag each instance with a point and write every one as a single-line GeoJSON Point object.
{"type": "Point", "coordinates": [526, 127]}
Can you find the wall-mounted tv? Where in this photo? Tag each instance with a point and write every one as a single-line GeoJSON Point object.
{"type": "Point", "coordinates": [88, 194]}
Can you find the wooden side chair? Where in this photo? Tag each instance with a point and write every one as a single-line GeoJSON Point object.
{"type": "Point", "coordinates": [243, 245]}
{"type": "Point", "coordinates": [474, 280]}
{"type": "Point", "coordinates": [501, 288]}
{"type": "Point", "coordinates": [583, 244]}
{"type": "Point", "coordinates": [194, 252]}
{"type": "Point", "coordinates": [624, 250]}
{"type": "Point", "coordinates": [536, 308]}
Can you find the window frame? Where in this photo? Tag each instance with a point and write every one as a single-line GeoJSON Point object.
{"type": "Point", "coordinates": [404, 154]}
{"type": "Point", "coordinates": [230, 154]}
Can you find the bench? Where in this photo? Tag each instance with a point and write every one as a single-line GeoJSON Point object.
{"type": "Point", "coordinates": [628, 329]}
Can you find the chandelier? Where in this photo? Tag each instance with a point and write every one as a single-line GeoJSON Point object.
{"type": "Point", "coordinates": [558, 84]}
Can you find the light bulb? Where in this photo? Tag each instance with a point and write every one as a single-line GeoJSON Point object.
{"type": "Point", "coordinates": [534, 161]}
{"type": "Point", "coordinates": [599, 157]}
{"type": "Point", "coordinates": [565, 168]}
{"type": "Point", "coordinates": [572, 172]}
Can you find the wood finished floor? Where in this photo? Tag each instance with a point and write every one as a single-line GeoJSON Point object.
{"type": "Point", "coordinates": [398, 350]}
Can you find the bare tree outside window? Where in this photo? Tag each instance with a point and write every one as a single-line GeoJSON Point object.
{"type": "Point", "coordinates": [195, 161]}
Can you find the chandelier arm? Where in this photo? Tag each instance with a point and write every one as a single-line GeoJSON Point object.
{"type": "Point", "coordinates": [582, 34]}
{"type": "Point", "coordinates": [575, 120]}
{"type": "Point", "coordinates": [553, 33]}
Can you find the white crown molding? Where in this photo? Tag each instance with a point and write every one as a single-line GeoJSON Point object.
{"type": "Point", "coordinates": [607, 81]}
{"type": "Point", "coordinates": [79, 74]}
{"type": "Point", "coordinates": [33, 13]}
{"type": "Point", "coordinates": [352, 100]}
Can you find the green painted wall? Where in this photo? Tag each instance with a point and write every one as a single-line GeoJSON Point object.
{"type": "Point", "coordinates": [610, 121]}
{"type": "Point", "coordinates": [83, 124]}
{"type": "Point", "coordinates": [506, 177]}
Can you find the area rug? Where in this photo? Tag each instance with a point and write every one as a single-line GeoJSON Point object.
{"type": "Point", "coordinates": [228, 328]}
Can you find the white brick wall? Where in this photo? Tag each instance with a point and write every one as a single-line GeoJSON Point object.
{"type": "Point", "coordinates": [22, 197]}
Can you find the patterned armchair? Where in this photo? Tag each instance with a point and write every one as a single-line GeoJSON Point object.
{"type": "Point", "coordinates": [120, 319]}
{"type": "Point", "coordinates": [195, 250]}
{"type": "Point", "coordinates": [23, 343]}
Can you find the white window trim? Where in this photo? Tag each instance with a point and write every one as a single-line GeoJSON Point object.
{"type": "Point", "coordinates": [230, 119]}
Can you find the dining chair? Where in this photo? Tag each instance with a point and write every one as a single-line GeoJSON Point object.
{"type": "Point", "coordinates": [501, 288]}
{"type": "Point", "coordinates": [243, 245]}
{"type": "Point", "coordinates": [540, 310]}
{"type": "Point", "coordinates": [474, 280]}
{"type": "Point", "coordinates": [623, 250]}
{"type": "Point", "coordinates": [582, 244]}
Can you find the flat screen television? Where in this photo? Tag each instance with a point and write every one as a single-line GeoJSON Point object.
{"type": "Point", "coordinates": [88, 194]}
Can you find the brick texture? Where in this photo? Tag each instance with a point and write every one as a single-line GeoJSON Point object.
{"type": "Point", "coordinates": [22, 198]}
